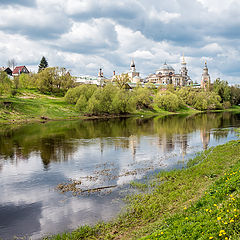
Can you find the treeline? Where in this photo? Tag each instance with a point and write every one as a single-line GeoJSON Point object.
{"type": "Point", "coordinates": [111, 99]}
{"type": "Point", "coordinates": [52, 80]}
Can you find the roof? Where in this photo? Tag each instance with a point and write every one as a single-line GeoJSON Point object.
{"type": "Point", "coordinates": [18, 69]}
{"type": "Point", "coordinates": [4, 68]}
{"type": "Point", "coordinates": [166, 67]}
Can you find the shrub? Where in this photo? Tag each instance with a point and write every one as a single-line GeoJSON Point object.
{"type": "Point", "coordinates": [226, 105]}
{"type": "Point", "coordinates": [141, 97]}
{"type": "Point", "coordinates": [123, 102]}
{"type": "Point", "coordinates": [207, 101]}
{"type": "Point", "coordinates": [167, 101]}
{"type": "Point", "coordinates": [73, 94]}
{"type": "Point", "coordinates": [81, 103]}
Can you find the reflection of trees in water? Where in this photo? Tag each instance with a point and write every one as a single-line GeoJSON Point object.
{"type": "Point", "coordinates": [55, 149]}
{"type": "Point", "coordinates": [54, 139]}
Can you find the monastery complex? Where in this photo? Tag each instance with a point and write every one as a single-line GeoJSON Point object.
{"type": "Point", "coordinates": [163, 76]}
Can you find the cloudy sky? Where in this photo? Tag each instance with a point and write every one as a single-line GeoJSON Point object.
{"type": "Point", "coordinates": [83, 35]}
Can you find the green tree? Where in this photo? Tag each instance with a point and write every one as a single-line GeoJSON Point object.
{"type": "Point", "coordinates": [122, 102]}
{"type": "Point", "coordinates": [5, 83]}
{"type": "Point", "coordinates": [122, 80]}
{"type": "Point", "coordinates": [235, 94]}
{"type": "Point", "coordinates": [207, 101]}
{"type": "Point", "coordinates": [73, 94]}
{"type": "Point", "coordinates": [170, 88]}
{"type": "Point", "coordinates": [222, 89]}
{"type": "Point", "coordinates": [43, 64]}
{"type": "Point", "coordinates": [25, 81]}
{"type": "Point", "coordinates": [54, 80]}
{"type": "Point", "coordinates": [81, 103]}
{"type": "Point", "coordinates": [167, 101]}
{"type": "Point", "coordinates": [142, 97]}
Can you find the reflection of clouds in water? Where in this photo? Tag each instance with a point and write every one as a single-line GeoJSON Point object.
{"type": "Point", "coordinates": [73, 212]}
{"type": "Point", "coordinates": [22, 169]}
{"type": "Point", "coordinates": [27, 183]}
{"type": "Point", "coordinates": [21, 219]}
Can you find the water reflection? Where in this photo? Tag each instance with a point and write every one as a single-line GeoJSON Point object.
{"type": "Point", "coordinates": [56, 140]}
{"type": "Point", "coordinates": [35, 158]}
{"type": "Point", "coordinates": [20, 216]}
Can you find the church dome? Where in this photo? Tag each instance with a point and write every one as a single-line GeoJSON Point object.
{"type": "Point", "coordinates": [165, 66]}
{"type": "Point", "coordinates": [132, 64]}
{"type": "Point", "coordinates": [165, 69]}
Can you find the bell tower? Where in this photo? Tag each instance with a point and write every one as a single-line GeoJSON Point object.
{"type": "Point", "coordinates": [206, 81]}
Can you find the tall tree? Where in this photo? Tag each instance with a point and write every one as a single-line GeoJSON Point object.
{"type": "Point", "coordinates": [12, 63]}
{"type": "Point", "coordinates": [121, 80]}
{"type": "Point", "coordinates": [222, 89]}
{"type": "Point", "coordinates": [43, 64]}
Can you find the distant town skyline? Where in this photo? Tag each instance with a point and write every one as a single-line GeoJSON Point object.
{"type": "Point", "coordinates": [85, 35]}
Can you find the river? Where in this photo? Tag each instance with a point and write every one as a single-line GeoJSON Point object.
{"type": "Point", "coordinates": [91, 154]}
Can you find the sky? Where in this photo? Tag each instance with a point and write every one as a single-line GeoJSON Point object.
{"type": "Point", "coordinates": [84, 35]}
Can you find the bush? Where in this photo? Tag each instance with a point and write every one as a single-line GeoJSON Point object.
{"type": "Point", "coordinates": [123, 102]}
{"type": "Point", "coordinates": [81, 104]}
{"type": "Point", "coordinates": [167, 101]}
{"type": "Point", "coordinates": [226, 105]}
{"type": "Point", "coordinates": [207, 101]}
{"type": "Point", "coordinates": [141, 97]}
{"type": "Point", "coordinates": [73, 94]}
{"type": "Point", "coordinates": [101, 100]}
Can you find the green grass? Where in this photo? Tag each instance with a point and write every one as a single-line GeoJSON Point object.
{"type": "Point", "coordinates": [215, 216]}
{"type": "Point", "coordinates": [174, 203]}
{"type": "Point", "coordinates": [30, 104]}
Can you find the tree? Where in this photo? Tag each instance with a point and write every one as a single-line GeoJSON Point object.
{"type": "Point", "coordinates": [222, 89]}
{"type": "Point", "coordinates": [12, 63]}
{"type": "Point", "coordinates": [122, 80]}
{"type": "Point", "coordinates": [73, 94]}
{"type": "Point", "coordinates": [54, 80]}
{"type": "Point", "coordinates": [207, 101]}
{"type": "Point", "coordinates": [235, 94]}
{"type": "Point", "coordinates": [167, 101]}
{"type": "Point", "coordinates": [43, 64]}
{"type": "Point", "coordinates": [5, 83]}
{"type": "Point", "coordinates": [142, 97]}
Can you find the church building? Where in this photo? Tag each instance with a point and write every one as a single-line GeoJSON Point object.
{"type": "Point", "coordinates": [133, 75]}
{"type": "Point", "coordinates": [166, 75]}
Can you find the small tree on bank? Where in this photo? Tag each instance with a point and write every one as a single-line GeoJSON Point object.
{"type": "Point", "coordinates": [43, 64]}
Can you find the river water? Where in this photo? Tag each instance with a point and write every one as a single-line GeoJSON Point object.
{"type": "Point", "coordinates": [36, 158]}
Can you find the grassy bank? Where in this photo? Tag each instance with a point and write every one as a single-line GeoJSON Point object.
{"type": "Point", "coordinates": [199, 202]}
{"type": "Point", "coordinates": [30, 105]}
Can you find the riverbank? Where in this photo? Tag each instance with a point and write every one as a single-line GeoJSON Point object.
{"type": "Point", "coordinates": [199, 202]}
{"type": "Point", "coordinates": [32, 106]}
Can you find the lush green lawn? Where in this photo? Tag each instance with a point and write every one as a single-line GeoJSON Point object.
{"type": "Point", "coordinates": [198, 202]}
{"type": "Point", "coordinates": [215, 216]}
{"type": "Point", "coordinates": [30, 105]}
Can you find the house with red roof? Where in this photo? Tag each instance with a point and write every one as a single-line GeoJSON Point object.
{"type": "Point", "coordinates": [19, 70]}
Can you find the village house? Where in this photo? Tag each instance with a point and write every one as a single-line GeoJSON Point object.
{"type": "Point", "coordinates": [7, 70]}
{"type": "Point", "coordinates": [19, 70]}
